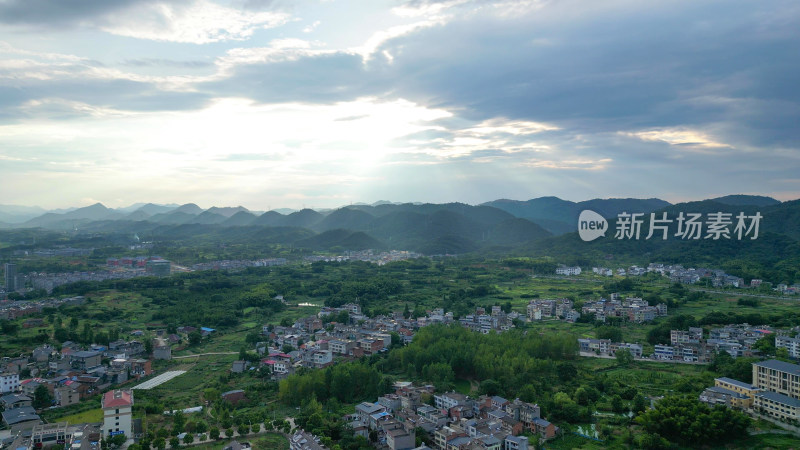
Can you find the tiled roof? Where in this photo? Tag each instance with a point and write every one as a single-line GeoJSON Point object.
{"type": "Point", "coordinates": [117, 399]}
{"type": "Point", "coordinates": [779, 365]}
{"type": "Point", "coordinates": [741, 384]}
{"type": "Point", "coordinates": [780, 398]}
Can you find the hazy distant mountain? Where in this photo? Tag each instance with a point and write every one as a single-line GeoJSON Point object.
{"type": "Point", "coordinates": [305, 218]}
{"type": "Point", "coordinates": [153, 209]}
{"type": "Point", "coordinates": [12, 214]}
{"type": "Point", "coordinates": [270, 219]}
{"type": "Point", "coordinates": [172, 217]}
{"type": "Point", "coordinates": [499, 226]}
{"type": "Point", "coordinates": [227, 211]}
{"type": "Point", "coordinates": [130, 208]}
{"type": "Point", "coordinates": [138, 215]}
{"type": "Point", "coordinates": [72, 218]}
{"type": "Point", "coordinates": [207, 217]}
{"type": "Point", "coordinates": [753, 200]}
{"type": "Point", "coordinates": [189, 208]}
{"type": "Point", "coordinates": [241, 218]}
{"type": "Point", "coordinates": [284, 211]}
{"type": "Point", "coordinates": [559, 216]}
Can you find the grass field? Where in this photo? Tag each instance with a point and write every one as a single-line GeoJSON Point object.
{"type": "Point", "coordinates": [185, 390]}
{"type": "Point", "coordinates": [91, 416]}
{"type": "Point", "coordinates": [770, 441]}
{"type": "Point", "coordinates": [463, 386]}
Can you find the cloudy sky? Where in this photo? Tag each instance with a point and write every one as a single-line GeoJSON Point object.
{"type": "Point", "coordinates": [291, 103]}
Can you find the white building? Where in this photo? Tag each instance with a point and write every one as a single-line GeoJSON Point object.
{"type": "Point", "coordinates": [564, 270]}
{"type": "Point", "coordinates": [9, 382]}
{"type": "Point", "coordinates": [792, 345]}
{"type": "Point", "coordinates": [322, 358]}
{"type": "Point", "coordinates": [118, 413]}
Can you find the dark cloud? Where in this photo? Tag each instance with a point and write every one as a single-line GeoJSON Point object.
{"type": "Point", "coordinates": [640, 67]}
{"type": "Point", "coordinates": [60, 12]}
{"type": "Point", "coordinates": [119, 94]}
{"type": "Point", "coordinates": [325, 78]}
{"type": "Point", "coordinates": [727, 67]}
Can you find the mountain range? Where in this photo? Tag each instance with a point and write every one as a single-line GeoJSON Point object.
{"type": "Point", "coordinates": [534, 225]}
{"type": "Point", "coordinates": [541, 227]}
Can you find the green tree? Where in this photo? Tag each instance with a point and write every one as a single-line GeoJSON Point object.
{"type": "Point", "coordinates": [178, 422]}
{"type": "Point", "coordinates": [61, 334]}
{"type": "Point", "coordinates": [195, 337]}
{"type": "Point", "coordinates": [566, 371]}
{"type": "Point", "coordinates": [617, 405]}
{"type": "Point", "coordinates": [42, 397]}
{"type": "Point", "coordinates": [188, 439]}
{"type": "Point", "coordinates": [87, 336]}
{"type": "Point", "coordinates": [229, 432]}
{"type": "Point", "coordinates": [117, 441]}
{"type": "Point", "coordinates": [700, 424]}
{"type": "Point", "coordinates": [174, 442]}
{"type": "Point", "coordinates": [766, 344]}
{"type": "Point", "coordinates": [213, 433]}
{"type": "Point", "coordinates": [582, 396]}
{"type": "Point", "coordinates": [639, 404]}
{"type": "Point", "coordinates": [624, 357]}
{"type": "Point", "coordinates": [490, 387]}
{"type": "Point", "coordinates": [608, 332]}
{"type": "Point", "coordinates": [211, 394]}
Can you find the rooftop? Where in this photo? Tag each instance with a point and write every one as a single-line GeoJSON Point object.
{"type": "Point", "coordinates": [722, 390]}
{"type": "Point", "coordinates": [780, 398]}
{"type": "Point", "coordinates": [117, 399]}
{"type": "Point", "coordinates": [741, 384]}
{"type": "Point", "coordinates": [779, 365]}
{"type": "Point", "coordinates": [18, 415]}
{"type": "Point", "coordinates": [369, 408]}
{"type": "Point", "coordinates": [14, 398]}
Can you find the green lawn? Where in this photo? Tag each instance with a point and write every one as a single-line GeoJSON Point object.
{"type": "Point", "coordinates": [769, 441]}
{"type": "Point", "coordinates": [463, 386]}
{"type": "Point", "coordinates": [90, 416]}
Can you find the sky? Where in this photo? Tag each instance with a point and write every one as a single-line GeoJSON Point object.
{"type": "Point", "coordinates": [300, 103]}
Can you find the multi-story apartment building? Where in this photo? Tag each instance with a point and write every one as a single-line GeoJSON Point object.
{"type": "Point", "coordinates": [117, 413]}
{"type": "Point", "coordinates": [780, 389]}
